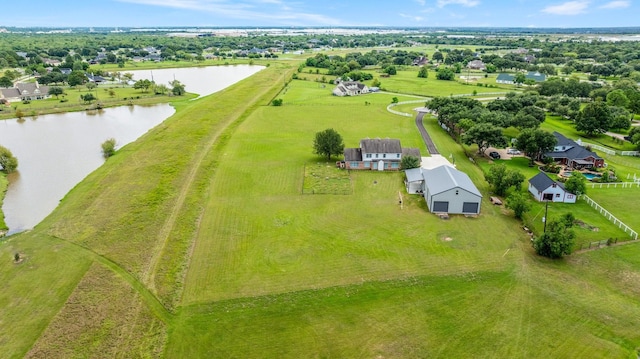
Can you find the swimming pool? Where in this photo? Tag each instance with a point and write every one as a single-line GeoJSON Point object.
{"type": "Point", "coordinates": [589, 176]}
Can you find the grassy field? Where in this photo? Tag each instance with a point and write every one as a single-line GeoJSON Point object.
{"type": "Point", "coordinates": [196, 241]}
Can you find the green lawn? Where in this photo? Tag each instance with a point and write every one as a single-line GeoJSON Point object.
{"type": "Point", "coordinates": [196, 241]}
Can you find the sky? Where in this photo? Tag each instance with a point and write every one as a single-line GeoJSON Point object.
{"type": "Point", "coordinates": [261, 13]}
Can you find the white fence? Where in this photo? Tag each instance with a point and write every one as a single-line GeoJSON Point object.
{"type": "Point", "coordinates": [614, 185]}
{"type": "Point", "coordinates": [599, 148]}
{"type": "Point", "coordinates": [630, 153]}
{"type": "Point", "coordinates": [389, 108]}
{"type": "Point", "coordinates": [610, 217]}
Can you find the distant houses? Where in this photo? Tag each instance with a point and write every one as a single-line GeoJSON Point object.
{"type": "Point", "coordinates": [509, 79]}
{"type": "Point", "coordinates": [377, 154]}
{"type": "Point", "coordinates": [350, 88]}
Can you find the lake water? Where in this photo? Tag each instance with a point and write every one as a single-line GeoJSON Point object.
{"type": "Point", "coordinates": [57, 151]}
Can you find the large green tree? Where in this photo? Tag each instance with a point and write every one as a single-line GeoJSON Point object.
{"type": "Point", "coordinates": [76, 77]}
{"type": "Point", "coordinates": [594, 118]}
{"type": "Point", "coordinates": [535, 142]}
{"type": "Point", "coordinates": [328, 143]}
{"type": "Point", "coordinates": [519, 203]}
{"type": "Point", "coordinates": [484, 135]}
{"type": "Point", "coordinates": [556, 241]}
{"type": "Point", "coordinates": [409, 162]}
{"type": "Point", "coordinates": [8, 161]}
{"type": "Point", "coordinates": [56, 91]}
{"type": "Point", "coordinates": [576, 184]}
{"type": "Point", "coordinates": [501, 179]}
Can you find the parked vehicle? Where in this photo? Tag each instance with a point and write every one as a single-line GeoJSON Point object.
{"type": "Point", "coordinates": [513, 151]}
{"type": "Point", "coordinates": [495, 155]}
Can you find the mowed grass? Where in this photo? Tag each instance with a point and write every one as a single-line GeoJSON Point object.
{"type": "Point", "coordinates": [244, 250]}
{"type": "Point", "coordinates": [616, 201]}
{"type": "Point", "coordinates": [535, 308]}
{"type": "Point", "coordinates": [407, 81]}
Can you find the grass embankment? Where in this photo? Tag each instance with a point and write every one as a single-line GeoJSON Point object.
{"type": "Point", "coordinates": [4, 183]}
{"type": "Point", "coordinates": [138, 211]}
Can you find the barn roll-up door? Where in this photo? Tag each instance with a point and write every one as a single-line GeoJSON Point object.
{"type": "Point", "coordinates": [440, 206]}
{"type": "Point", "coordinates": [470, 207]}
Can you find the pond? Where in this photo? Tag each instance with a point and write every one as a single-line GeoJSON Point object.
{"type": "Point", "coordinates": [55, 152]}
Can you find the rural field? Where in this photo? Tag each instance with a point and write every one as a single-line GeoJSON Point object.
{"type": "Point", "coordinates": [205, 238]}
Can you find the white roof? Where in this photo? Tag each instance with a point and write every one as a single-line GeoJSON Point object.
{"type": "Point", "coordinates": [435, 161]}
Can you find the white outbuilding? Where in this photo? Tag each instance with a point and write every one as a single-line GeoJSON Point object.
{"type": "Point", "coordinates": [445, 189]}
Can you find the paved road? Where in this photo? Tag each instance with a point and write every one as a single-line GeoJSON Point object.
{"type": "Point", "coordinates": [425, 136]}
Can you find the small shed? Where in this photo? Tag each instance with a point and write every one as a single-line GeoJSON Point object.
{"type": "Point", "coordinates": [414, 181]}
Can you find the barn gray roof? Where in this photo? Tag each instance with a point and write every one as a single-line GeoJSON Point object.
{"type": "Point", "coordinates": [377, 145]}
{"type": "Point", "coordinates": [444, 178]}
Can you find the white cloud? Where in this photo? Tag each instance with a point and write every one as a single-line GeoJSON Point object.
{"type": "Point", "coordinates": [414, 18]}
{"type": "Point", "coordinates": [567, 8]}
{"type": "Point", "coordinates": [467, 3]}
{"type": "Point", "coordinates": [616, 5]}
{"type": "Point", "coordinates": [421, 2]}
{"type": "Point", "coordinates": [276, 11]}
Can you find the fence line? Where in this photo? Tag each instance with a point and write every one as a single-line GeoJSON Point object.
{"type": "Point", "coordinates": [614, 185]}
{"type": "Point", "coordinates": [610, 216]}
{"type": "Point", "coordinates": [599, 148]}
{"type": "Point", "coordinates": [404, 103]}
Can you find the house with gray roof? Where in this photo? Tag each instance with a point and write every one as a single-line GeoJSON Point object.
{"type": "Point", "coordinates": [350, 88]}
{"type": "Point", "coordinates": [476, 65]}
{"type": "Point", "coordinates": [377, 154]}
{"type": "Point", "coordinates": [543, 188]}
{"type": "Point", "coordinates": [571, 154]}
{"type": "Point", "coordinates": [25, 91]}
{"type": "Point", "coordinates": [448, 190]}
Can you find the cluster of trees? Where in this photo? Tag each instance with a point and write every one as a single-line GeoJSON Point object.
{"type": "Point", "coordinates": [353, 62]}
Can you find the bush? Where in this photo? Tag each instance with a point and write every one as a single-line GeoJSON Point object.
{"type": "Point", "coordinates": [277, 102]}
{"type": "Point", "coordinates": [109, 147]}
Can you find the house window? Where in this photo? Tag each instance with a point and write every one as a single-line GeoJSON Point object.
{"type": "Point", "coordinates": [398, 155]}
{"type": "Point", "coordinates": [367, 164]}
{"type": "Point", "coordinates": [384, 155]}
{"type": "Point", "coordinates": [355, 164]}
{"type": "Point", "coordinates": [547, 197]}
{"type": "Point", "coordinates": [376, 155]}
{"type": "Point", "coordinates": [394, 165]}
{"type": "Point", "coordinates": [557, 195]}
{"type": "Point", "coordinates": [368, 155]}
